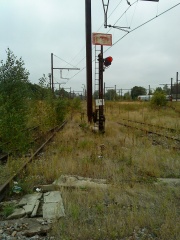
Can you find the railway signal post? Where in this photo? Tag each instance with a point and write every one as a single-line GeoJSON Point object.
{"type": "Point", "coordinates": [98, 115]}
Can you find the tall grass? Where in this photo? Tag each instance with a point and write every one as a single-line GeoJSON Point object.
{"type": "Point", "coordinates": [134, 205]}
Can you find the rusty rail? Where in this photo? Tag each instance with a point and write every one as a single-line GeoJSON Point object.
{"type": "Point", "coordinates": [152, 125]}
{"type": "Point", "coordinates": [5, 187]}
{"type": "Point", "coordinates": [150, 131]}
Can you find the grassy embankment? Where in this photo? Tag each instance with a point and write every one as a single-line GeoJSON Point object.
{"type": "Point", "coordinates": [134, 204]}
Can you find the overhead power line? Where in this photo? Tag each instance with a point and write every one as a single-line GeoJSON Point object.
{"type": "Point", "coordinates": [96, 31]}
{"type": "Point", "coordinates": [131, 32]}
{"type": "Point", "coordinates": [113, 26]}
{"type": "Point", "coordinates": [142, 25]}
{"type": "Point", "coordinates": [64, 61]}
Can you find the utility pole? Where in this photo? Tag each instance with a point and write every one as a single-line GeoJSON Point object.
{"type": "Point", "coordinates": [104, 89]}
{"type": "Point", "coordinates": [52, 77]}
{"type": "Point", "coordinates": [115, 91]}
{"type": "Point", "coordinates": [171, 87]}
{"type": "Point", "coordinates": [49, 75]}
{"type": "Point", "coordinates": [88, 59]}
{"type": "Point", "coordinates": [176, 86]}
{"type": "Point", "coordinates": [52, 69]}
{"type": "Point", "coordinates": [169, 90]}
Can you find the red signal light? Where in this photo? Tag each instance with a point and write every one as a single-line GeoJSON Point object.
{"type": "Point", "coordinates": [108, 61]}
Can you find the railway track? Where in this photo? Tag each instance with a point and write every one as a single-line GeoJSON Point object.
{"type": "Point", "coordinates": [4, 155]}
{"type": "Point", "coordinates": [152, 129]}
{"type": "Point", "coordinates": [4, 188]}
{"type": "Point", "coordinates": [173, 108]}
{"type": "Point", "coordinates": [153, 125]}
{"type": "Point", "coordinates": [38, 138]}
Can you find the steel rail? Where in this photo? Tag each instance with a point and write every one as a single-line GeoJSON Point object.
{"type": "Point", "coordinates": [173, 108]}
{"type": "Point", "coordinates": [149, 131]}
{"type": "Point", "coordinates": [4, 188]}
{"type": "Point", "coordinates": [4, 156]}
{"type": "Point", "coordinates": [152, 125]}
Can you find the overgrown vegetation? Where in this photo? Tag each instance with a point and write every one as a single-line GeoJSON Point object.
{"type": "Point", "coordinates": [135, 205]}
{"type": "Point", "coordinates": [24, 105]}
{"type": "Point", "coordinates": [14, 94]}
{"type": "Point", "coordinates": [158, 100]}
{"type": "Point", "coordinates": [7, 209]}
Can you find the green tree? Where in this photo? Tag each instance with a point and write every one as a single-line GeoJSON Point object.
{"type": "Point", "coordinates": [127, 96]}
{"type": "Point", "coordinates": [43, 81]}
{"type": "Point", "coordinates": [158, 89]}
{"type": "Point", "coordinates": [43, 90]}
{"type": "Point", "coordinates": [14, 94]}
{"type": "Point", "coordinates": [166, 89]}
{"type": "Point", "coordinates": [111, 95]}
{"type": "Point", "coordinates": [158, 99]}
{"type": "Point", "coordinates": [136, 91]}
{"type": "Point", "coordinates": [62, 93]}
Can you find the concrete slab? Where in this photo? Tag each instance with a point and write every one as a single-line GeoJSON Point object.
{"type": "Point", "coordinates": [18, 213]}
{"type": "Point", "coordinates": [53, 207]}
{"type": "Point", "coordinates": [53, 210]}
{"type": "Point", "coordinates": [28, 208]}
{"type": "Point", "coordinates": [30, 199]}
{"type": "Point", "coordinates": [169, 181]}
{"type": "Point", "coordinates": [80, 182]}
{"type": "Point", "coordinates": [34, 213]}
{"type": "Point", "coordinates": [52, 197]}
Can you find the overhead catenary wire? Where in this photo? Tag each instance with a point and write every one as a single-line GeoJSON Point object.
{"type": "Point", "coordinates": [124, 13]}
{"type": "Point", "coordinates": [130, 31]}
{"type": "Point", "coordinates": [64, 61]}
{"type": "Point", "coordinates": [143, 25]}
{"type": "Point", "coordinates": [157, 8]}
{"type": "Point", "coordinates": [84, 47]}
{"type": "Point", "coordinates": [96, 31]}
{"type": "Point", "coordinates": [133, 14]}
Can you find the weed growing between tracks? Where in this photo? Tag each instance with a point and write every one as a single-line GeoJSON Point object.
{"type": "Point", "coordinates": [134, 205]}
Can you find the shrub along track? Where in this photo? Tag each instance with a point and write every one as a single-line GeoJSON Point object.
{"type": "Point", "coordinates": [154, 130]}
{"type": "Point", "coordinates": [4, 156]}
{"type": "Point", "coordinates": [51, 133]}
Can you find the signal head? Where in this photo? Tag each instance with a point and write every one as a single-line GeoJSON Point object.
{"type": "Point", "coordinates": [108, 61]}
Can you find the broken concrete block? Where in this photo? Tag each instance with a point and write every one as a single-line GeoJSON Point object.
{"type": "Point", "coordinates": [34, 213]}
{"type": "Point", "coordinates": [52, 197]}
{"type": "Point", "coordinates": [18, 213]}
{"type": "Point", "coordinates": [80, 182]}
{"type": "Point", "coordinates": [28, 208]}
{"type": "Point", "coordinates": [30, 199]}
{"type": "Point", "coordinates": [53, 205]}
{"type": "Point", "coordinates": [53, 210]}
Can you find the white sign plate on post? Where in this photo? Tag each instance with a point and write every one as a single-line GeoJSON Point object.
{"type": "Point", "coordinates": [99, 102]}
{"type": "Point", "coordinates": [102, 39]}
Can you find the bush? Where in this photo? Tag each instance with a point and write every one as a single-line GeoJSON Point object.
{"type": "Point", "coordinates": [14, 94]}
{"type": "Point", "coordinates": [158, 100]}
{"type": "Point", "coordinates": [61, 109]}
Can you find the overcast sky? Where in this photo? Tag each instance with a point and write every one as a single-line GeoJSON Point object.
{"type": "Point", "coordinates": [150, 55]}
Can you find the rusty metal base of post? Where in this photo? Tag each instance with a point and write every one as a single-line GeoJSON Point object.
{"type": "Point", "coordinates": [102, 123]}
